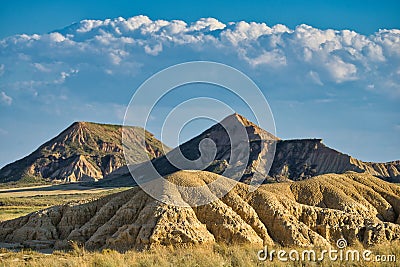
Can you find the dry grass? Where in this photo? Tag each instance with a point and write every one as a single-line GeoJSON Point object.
{"type": "Point", "coordinates": [15, 206]}
{"type": "Point", "coordinates": [213, 255]}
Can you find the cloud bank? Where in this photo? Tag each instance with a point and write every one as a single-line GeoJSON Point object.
{"type": "Point", "coordinates": [124, 47]}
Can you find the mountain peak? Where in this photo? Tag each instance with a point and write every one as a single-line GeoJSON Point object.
{"type": "Point", "coordinates": [253, 130]}
{"type": "Point", "coordinates": [240, 155]}
{"type": "Point", "coordinates": [84, 150]}
{"type": "Point", "coordinates": [237, 117]}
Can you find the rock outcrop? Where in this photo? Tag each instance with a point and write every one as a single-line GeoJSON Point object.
{"type": "Point", "coordinates": [313, 212]}
{"type": "Point", "coordinates": [304, 158]}
{"type": "Point", "coordinates": [83, 152]}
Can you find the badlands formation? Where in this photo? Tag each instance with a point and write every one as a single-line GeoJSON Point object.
{"type": "Point", "coordinates": [313, 212]}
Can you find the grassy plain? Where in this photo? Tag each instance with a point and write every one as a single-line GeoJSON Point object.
{"type": "Point", "coordinates": [15, 202]}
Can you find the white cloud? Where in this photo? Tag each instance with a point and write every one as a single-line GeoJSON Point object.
{"type": "Point", "coordinates": [88, 25]}
{"type": "Point", "coordinates": [315, 38]}
{"type": "Point", "coordinates": [64, 75]}
{"type": "Point", "coordinates": [314, 76]}
{"type": "Point", "coordinates": [340, 70]}
{"type": "Point", "coordinates": [56, 37]}
{"type": "Point", "coordinates": [274, 58]}
{"type": "Point", "coordinates": [207, 23]}
{"type": "Point", "coordinates": [154, 51]}
{"type": "Point", "coordinates": [374, 51]}
{"type": "Point", "coordinates": [121, 48]}
{"type": "Point", "coordinates": [5, 99]}
{"type": "Point", "coordinates": [41, 67]}
{"type": "Point", "coordinates": [245, 32]}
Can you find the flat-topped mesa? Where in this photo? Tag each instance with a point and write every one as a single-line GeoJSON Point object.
{"type": "Point", "coordinates": [85, 151]}
{"type": "Point", "coordinates": [300, 159]}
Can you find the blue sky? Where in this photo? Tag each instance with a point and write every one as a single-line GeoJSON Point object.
{"type": "Point", "coordinates": [363, 16]}
{"type": "Point", "coordinates": [341, 85]}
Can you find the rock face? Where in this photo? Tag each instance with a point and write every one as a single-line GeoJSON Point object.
{"type": "Point", "coordinates": [293, 159]}
{"type": "Point", "coordinates": [83, 152]}
{"type": "Point", "coordinates": [313, 212]}
{"type": "Point", "coordinates": [304, 158]}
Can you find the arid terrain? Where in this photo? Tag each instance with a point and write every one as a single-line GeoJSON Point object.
{"type": "Point", "coordinates": [315, 212]}
{"type": "Point", "coordinates": [312, 197]}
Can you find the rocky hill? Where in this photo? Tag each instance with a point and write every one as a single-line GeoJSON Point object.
{"type": "Point", "coordinates": [83, 152]}
{"type": "Point", "coordinates": [226, 156]}
{"type": "Point", "coordinates": [294, 159]}
{"type": "Point", "coordinates": [313, 212]}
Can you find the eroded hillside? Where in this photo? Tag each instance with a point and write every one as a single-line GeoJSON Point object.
{"type": "Point", "coordinates": [314, 212]}
{"type": "Point", "coordinates": [83, 152]}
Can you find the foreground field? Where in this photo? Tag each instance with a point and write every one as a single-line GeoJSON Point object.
{"type": "Point", "coordinates": [215, 255]}
{"type": "Point", "coordinates": [16, 202]}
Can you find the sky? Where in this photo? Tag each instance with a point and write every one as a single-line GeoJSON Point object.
{"type": "Point", "coordinates": [329, 69]}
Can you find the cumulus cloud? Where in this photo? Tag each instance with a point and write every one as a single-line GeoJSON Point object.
{"type": "Point", "coordinates": [125, 48]}
{"type": "Point", "coordinates": [210, 24]}
{"type": "Point", "coordinates": [5, 99]}
{"type": "Point", "coordinates": [56, 37]}
{"type": "Point", "coordinates": [340, 70]}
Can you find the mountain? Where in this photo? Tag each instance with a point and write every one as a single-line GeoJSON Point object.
{"type": "Point", "coordinates": [235, 147]}
{"type": "Point", "coordinates": [89, 152]}
{"type": "Point", "coordinates": [294, 159]}
{"type": "Point", "coordinates": [314, 212]}
{"type": "Point", "coordinates": [85, 151]}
